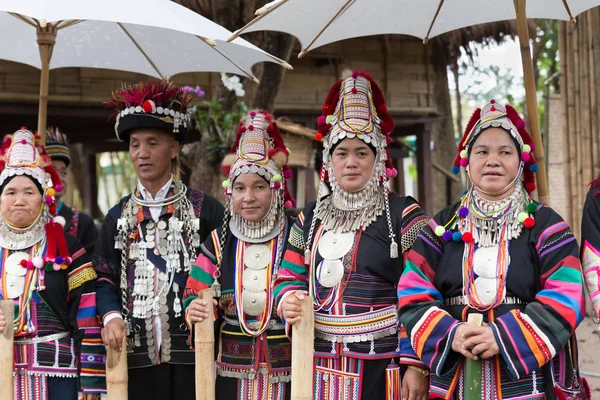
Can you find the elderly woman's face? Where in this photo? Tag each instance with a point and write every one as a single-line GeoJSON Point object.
{"type": "Point", "coordinates": [20, 201]}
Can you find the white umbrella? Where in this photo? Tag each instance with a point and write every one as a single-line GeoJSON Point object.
{"type": "Point", "coordinates": [316, 23]}
{"type": "Point", "coordinates": [153, 37]}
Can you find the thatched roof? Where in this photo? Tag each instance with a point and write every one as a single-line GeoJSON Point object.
{"type": "Point", "coordinates": [285, 125]}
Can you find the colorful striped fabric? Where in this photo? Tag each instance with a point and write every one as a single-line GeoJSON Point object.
{"type": "Point", "coordinates": [590, 248]}
{"type": "Point", "coordinates": [528, 336]}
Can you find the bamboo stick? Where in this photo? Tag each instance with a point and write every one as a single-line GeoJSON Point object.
{"type": "Point", "coordinates": [116, 372]}
{"type": "Point", "coordinates": [473, 367]}
{"type": "Point", "coordinates": [204, 344]}
{"type": "Point", "coordinates": [46, 38]}
{"type": "Point", "coordinates": [6, 352]}
{"type": "Point", "coordinates": [532, 103]}
{"type": "Point", "coordinates": [303, 343]}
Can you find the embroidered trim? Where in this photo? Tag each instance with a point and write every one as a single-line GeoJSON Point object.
{"type": "Point", "coordinates": [80, 277]}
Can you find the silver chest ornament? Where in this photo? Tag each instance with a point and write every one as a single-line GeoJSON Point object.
{"type": "Point", "coordinates": [485, 262]}
{"type": "Point", "coordinates": [257, 258]}
{"type": "Point", "coordinates": [332, 247]}
{"type": "Point", "coordinates": [15, 275]}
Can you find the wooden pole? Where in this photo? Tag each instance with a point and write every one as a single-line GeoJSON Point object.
{"type": "Point", "coordinates": [116, 372]}
{"type": "Point", "coordinates": [303, 345]}
{"type": "Point", "coordinates": [204, 344]}
{"type": "Point", "coordinates": [473, 377]}
{"type": "Point", "coordinates": [6, 352]}
{"type": "Point", "coordinates": [46, 38]}
{"type": "Point", "coordinates": [532, 103]}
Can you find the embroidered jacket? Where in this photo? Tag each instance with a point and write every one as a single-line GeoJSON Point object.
{"type": "Point", "coordinates": [590, 246]}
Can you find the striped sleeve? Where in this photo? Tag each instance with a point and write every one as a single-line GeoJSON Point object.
{"type": "Point", "coordinates": [590, 247]}
{"type": "Point", "coordinates": [529, 339]}
{"type": "Point", "coordinates": [429, 326]}
{"type": "Point", "coordinates": [293, 274]}
{"type": "Point", "coordinates": [201, 275]}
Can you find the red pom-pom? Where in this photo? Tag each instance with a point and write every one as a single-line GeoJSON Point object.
{"type": "Point", "coordinates": [354, 91]}
{"type": "Point", "coordinates": [23, 141]}
{"type": "Point", "coordinates": [250, 127]}
{"type": "Point", "coordinates": [147, 106]}
{"type": "Point", "coordinates": [23, 263]}
{"type": "Point", "coordinates": [520, 124]}
{"type": "Point", "coordinates": [492, 101]}
{"type": "Point", "coordinates": [321, 120]}
{"type": "Point", "coordinates": [287, 174]}
{"type": "Point", "coordinates": [252, 114]}
{"type": "Point", "coordinates": [354, 75]}
{"type": "Point", "coordinates": [326, 109]}
{"type": "Point", "coordinates": [467, 237]}
{"type": "Point", "coordinates": [529, 222]}
{"type": "Point", "coordinates": [492, 108]}
{"type": "Point", "coordinates": [388, 139]}
{"type": "Point", "coordinates": [293, 202]}
{"type": "Point", "coordinates": [530, 187]}
{"type": "Point", "coordinates": [225, 169]}
{"type": "Point", "coordinates": [318, 137]}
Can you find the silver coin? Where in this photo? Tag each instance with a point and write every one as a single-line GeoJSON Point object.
{"type": "Point", "coordinates": [151, 354]}
{"type": "Point", "coordinates": [166, 336]}
{"type": "Point", "coordinates": [485, 261]}
{"type": "Point", "coordinates": [134, 220]}
{"type": "Point", "coordinates": [164, 318]}
{"type": "Point", "coordinates": [136, 209]}
{"type": "Point", "coordinates": [162, 276]}
{"type": "Point", "coordinates": [166, 358]}
{"type": "Point", "coordinates": [148, 328]}
{"type": "Point", "coordinates": [334, 246]}
{"type": "Point", "coordinates": [167, 340]}
{"type": "Point", "coordinates": [162, 234]}
{"type": "Point", "coordinates": [257, 256]}
{"type": "Point", "coordinates": [162, 300]}
{"type": "Point", "coordinates": [486, 289]}
{"type": "Point", "coordinates": [330, 273]}
{"type": "Point", "coordinates": [162, 225]}
{"type": "Point", "coordinates": [253, 304]}
{"type": "Point", "coordinates": [12, 265]}
{"type": "Point", "coordinates": [150, 342]}
{"type": "Point", "coordinates": [150, 238]}
{"type": "Point", "coordinates": [254, 281]}
{"type": "Point", "coordinates": [166, 346]}
{"type": "Point", "coordinates": [149, 334]}
{"type": "Point", "coordinates": [15, 286]}
{"type": "Point", "coordinates": [150, 225]}
{"type": "Point", "coordinates": [164, 326]}
{"type": "Point", "coordinates": [163, 309]}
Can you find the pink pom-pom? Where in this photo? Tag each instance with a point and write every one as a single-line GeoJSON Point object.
{"type": "Point", "coordinates": [388, 173]}
{"type": "Point", "coordinates": [492, 101]}
{"type": "Point", "coordinates": [30, 265]}
{"type": "Point", "coordinates": [394, 172]}
{"type": "Point", "coordinates": [56, 267]}
{"type": "Point", "coordinates": [68, 260]}
{"type": "Point", "coordinates": [59, 187]}
{"type": "Point", "coordinates": [464, 162]}
{"type": "Point", "coordinates": [388, 139]}
{"type": "Point", "coordinates": [287, 174]}
{"type": "Point", "coordinates": [252, 114]}
{"type": "Point", "coordinates": [23, 128]}
{"type": "Point", "coordinates": [293, 202]}
{"type": "Point", "coordinates": [288, 204]}
{"type": "Point", "coordinates": [520, 124]}
{"type": "Point", "coordinates": [23, 141]}
{"type": "Point", "coordinates": [277, 185]}
{"type": "Point", "coordinates": [321, 120]}
{"type": "Point", "coordinates": [525, 157]}
{"type": "Point", "coordinates": [49, 200]}
{"type": "Point", "coordinates": [354, 75]}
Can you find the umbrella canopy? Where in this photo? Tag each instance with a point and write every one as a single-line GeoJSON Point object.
{"type": "Point", "coordinates": [316, 23]}
{"type": "Point", "coordinates": [154, 37]}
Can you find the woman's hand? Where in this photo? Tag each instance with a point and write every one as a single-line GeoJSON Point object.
{"type": "Point", "coordinates": [292, 307]}
{"type": "Point", "coordinates": [458, 342]}
{"type": "Point", "coordinates": [415, 384]}
{"type": "Point", "coordinates": [2, 321]}
{"type": "Point", "coordinates": [197, 310]}
{"type": "Point", "coordinates": [113, 333]}
{"type": "Point", "coordinates": [481, 342]}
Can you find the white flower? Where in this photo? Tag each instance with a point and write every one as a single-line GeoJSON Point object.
{"type": "Point", "coordinates": [233, 84]}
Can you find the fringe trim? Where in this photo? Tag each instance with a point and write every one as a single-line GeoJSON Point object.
{"type": "Point", "coordinates": [367, 337]}
{"type": "Point", "coordinates": [245, 374]}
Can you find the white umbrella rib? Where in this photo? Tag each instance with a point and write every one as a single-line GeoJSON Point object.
{"type": "Point", "coordinates": [24, 19]}
{"type": "Point", "coordinates": [566, 4]}
{"type": "Point", "coordinates": [213, 45]}
{"type": "Point", "coordinates": [437, 12]}
{"type": "Point", "coordinates": [255, 20]}
{"type": "Point", "coordinates": [346, 6]}
{"type": "Point", "coordinates": [141, 50]}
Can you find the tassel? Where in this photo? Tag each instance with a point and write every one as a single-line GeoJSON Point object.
{"type": "Point", "coordinates": [307, 256]}
{"type": "Point", "coordinates": [394, 250]}
{"type": "Point", "coordinates": [216, 288]}
{"type": "Point", "coordinates": [393, 384]}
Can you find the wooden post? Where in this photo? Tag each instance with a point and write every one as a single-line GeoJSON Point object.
{"type": "Point", "coordinates": [116, 372]}
{"type": "Point", "coordinates": [204, 344]}
{"type": "Point", "coordinates": [46, 38]}
{"type": "Point", "coordinates": [303, 347]}
{"type": "Point", "coordinates": [532, 103]}
{"type": "Point", "coordinates": [6, 352]}
{"type": "Point", "coordinates": [473, 367]}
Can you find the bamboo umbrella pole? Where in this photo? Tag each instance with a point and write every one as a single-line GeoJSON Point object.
{"type": "Point", "coordinates": [532, 103]}
{"type": "Point", "coordinates": [116, 372]}
{"type": "Point", "coordinates": [303, 338]}
{"type": "Point", "coordinates": [473, 368]}
{"type": "Point", "coordinates": [46, 38]}
{"type": "Point", "coordinates": [204, 344]}
{"type": "Point", "coordinates": [6, 352]}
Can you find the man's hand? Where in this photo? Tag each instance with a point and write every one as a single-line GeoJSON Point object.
{"type": "Point", "coordinates": [415, 385]}
{"type": "Point", "coordinates": [197, 310]}
{"type": "Point", "coordinates": [2, 321]}
{"type": "Point", "coordinates": [113, 333]}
